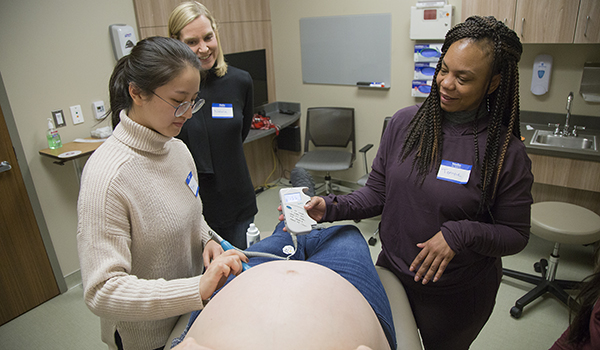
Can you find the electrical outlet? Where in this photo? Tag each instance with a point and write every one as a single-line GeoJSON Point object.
{"type": "Point", "coordinates": [99, 110]}
{"type": "Point", "coordinates": [76, 114]}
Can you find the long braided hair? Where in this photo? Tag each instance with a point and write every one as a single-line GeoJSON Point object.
{"type": "Point", "coordinates": [424, 137]}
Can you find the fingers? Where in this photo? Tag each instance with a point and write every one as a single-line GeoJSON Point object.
{"type": "Point", "coordinates": [211, 251]}
{"type": "Point", "coordinates": [432, 260]}
{"type": "Point", "coordinates": [230, 262]}
{"type": "Point", "coordinates": [315, 208]}
{"type": "Point", "coordinates": [431, 270]}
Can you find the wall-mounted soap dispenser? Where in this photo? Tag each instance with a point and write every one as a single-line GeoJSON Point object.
{"type": "Point", "coordinates": [542, 65]}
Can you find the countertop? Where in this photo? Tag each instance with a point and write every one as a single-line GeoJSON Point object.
{"type": "Point", "coordinates": [71, 150]}
{"type": "Point", "coordinates": [540, 120]}
{"type": "Point", "coordinates": [282, 120]}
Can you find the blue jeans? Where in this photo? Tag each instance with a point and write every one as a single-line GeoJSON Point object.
{"type": "Point", "coordinates": [339, 248]}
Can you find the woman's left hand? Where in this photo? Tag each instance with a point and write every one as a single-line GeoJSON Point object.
{"type": "Point", "coordinates": [211, 251]}
{"type": "Point", "coordinates": [433, 259]}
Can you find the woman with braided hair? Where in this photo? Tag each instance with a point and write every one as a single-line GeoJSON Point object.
{"type": "Point", "coordinates": [452, 182]}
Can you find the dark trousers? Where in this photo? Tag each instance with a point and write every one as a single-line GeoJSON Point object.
{"type": "Point", "coordinates": [119, 342]}
{"type": "Point", "coordinates": [453, 321]}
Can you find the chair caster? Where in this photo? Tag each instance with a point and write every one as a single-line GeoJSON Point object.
{"type": "Point", "coordinates": [357, 220]}
{"type": "Point", "coordinates": [516, 312]}
{"type": "Point", "coordinates": [372, 241]}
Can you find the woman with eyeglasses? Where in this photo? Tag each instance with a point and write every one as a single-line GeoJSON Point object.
{"type": "Point", "coordinates": [142, 246]}
{"type": "Point", "coordinates": [215, 134]}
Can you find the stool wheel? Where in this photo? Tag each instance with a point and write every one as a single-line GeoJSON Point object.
{"type": "Point", "coordinates": [357, 220]}
{"type": "Point", "coordinates": [516, 312]}
{"type": "Point", "coordinates": [372, 241]}
{"type": "Point", "coordinates": [537, 267]}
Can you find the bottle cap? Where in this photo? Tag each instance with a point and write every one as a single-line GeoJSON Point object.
{"type": "Point", "coordinates": [252, 229]}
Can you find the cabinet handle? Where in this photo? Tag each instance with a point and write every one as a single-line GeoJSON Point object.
{"type": "Point", "coordinates": [587, 21]}
{"type": "Point", "coordinates": [505, 20]}
{"type": "Point", "coordinates": [522, 25]}
{"type": "Point", "coordinates": [5, 166]}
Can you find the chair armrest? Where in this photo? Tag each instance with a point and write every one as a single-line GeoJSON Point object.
{"type": "Point", "coordinates": [407, 335]}
{"type": "Point", "coordinates": [366, 148]}
{"type": "Point", "coordinates": [178, 328]}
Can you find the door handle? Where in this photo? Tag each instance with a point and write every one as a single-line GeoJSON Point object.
{"type": "Point", "coordinates": [5, 166]}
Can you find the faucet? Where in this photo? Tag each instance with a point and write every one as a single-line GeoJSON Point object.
{"type": "Point", "coordinates": [565, 131]}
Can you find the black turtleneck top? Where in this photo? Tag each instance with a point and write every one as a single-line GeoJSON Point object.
{"type": "Point", "coordinates": [217, 147]}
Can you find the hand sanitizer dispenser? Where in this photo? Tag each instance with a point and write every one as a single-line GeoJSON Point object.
{"type": "Point", "coordinates": [542, 65]}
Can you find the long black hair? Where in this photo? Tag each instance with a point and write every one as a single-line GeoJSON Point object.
{"type": "Point", "coordinates": [424, 137]}
{"type": "Point", "coordinates": [152, 63]}
{"type": "Point", "coordinates": [588, 296]}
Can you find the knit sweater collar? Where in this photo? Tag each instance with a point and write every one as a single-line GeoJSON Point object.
{"type": "Point", "coordinates": [140, 137]}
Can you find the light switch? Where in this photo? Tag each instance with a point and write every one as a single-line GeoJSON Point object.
{"type": "Point", "coordinates": [76, 114]}
{"type": "Point", "coordinates": [99, 110]}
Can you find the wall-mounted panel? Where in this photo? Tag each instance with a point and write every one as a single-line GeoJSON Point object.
{"type": "Point", "coordinates": [346, 50]}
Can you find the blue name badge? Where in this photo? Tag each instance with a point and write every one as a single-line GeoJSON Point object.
{"type": "Point", "coordinates": [222, 110]}
{"type": "Point", "coordinates": [454, 172]}
{"type": "Point", "coordinates": [192, 184]}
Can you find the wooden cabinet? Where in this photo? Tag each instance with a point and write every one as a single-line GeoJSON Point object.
{"type": "Point", "coordinates": [565, 172]}
{"type": "Point", "coordinates": [546, 21]}
{"type": "Point", "coordinates": [503, 10]}
{"type": "Point", "coordinates": [566, 180]}
{"type": "Point", "coordinates": [588, 22]}
{"type": "Point", "coordinates": [243, 26]}
{"type": "Point", "coordinates": [543, 21]}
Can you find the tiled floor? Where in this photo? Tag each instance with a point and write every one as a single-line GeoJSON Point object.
{"type": "Point", "coordinates": [65, 323]}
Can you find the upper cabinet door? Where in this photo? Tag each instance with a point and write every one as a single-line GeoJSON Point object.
{"type": "Point", "coordinates": [588, 22]}
{"type": "Point", "coordinates": [546, 21]}
{"type": "Point", "coordinates": [503, 10]}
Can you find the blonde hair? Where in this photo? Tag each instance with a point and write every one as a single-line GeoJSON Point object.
{"type": "Point", "coordinates": [185, 13]}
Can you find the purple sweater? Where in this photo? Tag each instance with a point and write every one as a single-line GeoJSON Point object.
{"type": "Point", "coordinates": [412, 214]}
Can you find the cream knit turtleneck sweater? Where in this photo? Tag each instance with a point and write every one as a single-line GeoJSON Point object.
{"type": "Point", "coordinates": [140, 235]}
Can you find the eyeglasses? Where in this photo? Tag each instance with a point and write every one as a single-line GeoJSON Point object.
{"type": "Point", "coordinates": [185, 105]}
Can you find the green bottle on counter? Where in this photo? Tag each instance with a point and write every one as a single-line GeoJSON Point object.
{"type": "Point", "coordinates": [53, 137]}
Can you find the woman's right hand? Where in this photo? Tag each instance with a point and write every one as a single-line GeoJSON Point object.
{"type": "Point", "coordinates": [215, 276]}
{"type": "Point", "coordinates": [315, 208]}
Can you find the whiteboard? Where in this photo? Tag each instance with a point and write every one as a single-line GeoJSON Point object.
{"type": "Point", "coordinates": [346, 50]}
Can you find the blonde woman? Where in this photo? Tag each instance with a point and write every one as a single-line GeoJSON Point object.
{"type": "Point", "coordinates": [216, 133]}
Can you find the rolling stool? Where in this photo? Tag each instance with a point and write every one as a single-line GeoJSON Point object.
{"type": "Point", "coordinates": [560, 223]}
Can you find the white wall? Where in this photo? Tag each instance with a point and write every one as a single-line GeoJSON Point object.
{"type": "Point", "coordinates": [372, 106]}
{"type": "Point", "coordinates": [56, 54]}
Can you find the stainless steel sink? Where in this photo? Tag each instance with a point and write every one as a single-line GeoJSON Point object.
{"type": "Point", "coordinates": [579, 142]}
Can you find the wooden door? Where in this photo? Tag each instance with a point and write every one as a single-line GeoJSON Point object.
{"type": "Point", "coordinates": [26, 277]}
{"type": "Point", "coordinates": [503, 10]}
{"type": "Point", "coordinates": [546, 21]}
{"type": "Point", "coordinates": [588, 22]}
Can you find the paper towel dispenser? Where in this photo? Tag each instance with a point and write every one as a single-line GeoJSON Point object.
{"type": "Point", "coordinates": [123, 39]}
{"type": "Point", "coordinates": [590, 82]}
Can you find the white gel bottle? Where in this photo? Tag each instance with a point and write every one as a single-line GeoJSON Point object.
{"type": "Point", "coordinates": [252, 235]}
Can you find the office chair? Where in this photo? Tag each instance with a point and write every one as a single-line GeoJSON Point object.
{"type": "Point", "coordinates": [363, 180]}
{"type": "Point", "coordinates": [560, 223]}
{"type": "Point", "coordinates": [330, 129]}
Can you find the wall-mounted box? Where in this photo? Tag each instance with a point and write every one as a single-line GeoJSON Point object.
{"type": "Point", "coordinates": [428, 52]}
{"type": "Point", "coordinates": [421, 88]}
